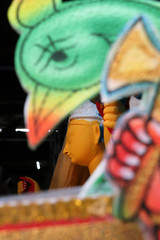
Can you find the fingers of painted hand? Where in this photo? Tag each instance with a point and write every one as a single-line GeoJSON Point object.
{"type": "Point", "coordinates": [132, 134]}
{"type": "Point", "coordinates": [110, 117]}
{"type": "Point", "coordinates": [126, 157]}
{"type": "Point", "coordinates": [153, 129]}
{"type": "Point", "coordinates": [121, 163]}
{"type": "Point", "coordinates": [27, 180]}
{"type": "Point", "coordinates": [138, 126]}
{"type": "Point", "coordinates": [132, 143]}
{"type": "Point", "coordinates": [110, 123]}
{"type": "Point", "coordinates": [114, 108]}
{"type": "Point", "coordinates": [146, 130]}
{"type": "Point", "coordinates": [111, 109]}
{"type": "Point", "coordinates": [125, 147]}
{"type": "Point", "coordinates": [117, 104]}
{"type": "Point", "coordinates": [20, 187]}
{"type": "Point", "coordinates": [119, 172]}
{"type": "Point", "coordinates": [111, 113]}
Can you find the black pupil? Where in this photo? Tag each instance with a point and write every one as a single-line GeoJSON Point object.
{"type": "Point", "coordinates": [59, 56]}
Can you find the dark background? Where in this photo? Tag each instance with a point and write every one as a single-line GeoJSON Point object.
{"type": "Point", "coordinates": [16, 159]}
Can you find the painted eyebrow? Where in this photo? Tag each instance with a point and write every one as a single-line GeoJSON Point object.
{"type": "Point", "coordinates": [58, 40]}
{"type": "Point", "coordinates": [52, 42]}
{"type": "Point", "coordinates": [103, 37]}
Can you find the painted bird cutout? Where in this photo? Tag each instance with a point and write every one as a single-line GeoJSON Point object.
{"type": "Point", "coordinates": [61, 51]}
{"type": "Point", "coordinates": [133, 155]}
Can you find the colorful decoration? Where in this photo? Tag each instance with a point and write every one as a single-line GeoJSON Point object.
{"type": "Point", "coordinates": [59, 58]}
{"type": "Point", "coordinates": [60, 215]}
{"type": "Point", "coordinates": [61, 52]}
{"type": "Point", "coordinates": [133, 155]}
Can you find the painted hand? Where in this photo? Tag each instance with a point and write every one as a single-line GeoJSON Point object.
{"type": "Point", "coordinates": [130, 143]}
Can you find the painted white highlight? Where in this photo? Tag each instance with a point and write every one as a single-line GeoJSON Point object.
{"type": "Point", "coordinates": [139, 148]}
{"type": "Point", "coordinates": [132, 160]}
{"type": "Point", "coordinates": [156, 127]}
{"type": "Point", "coordinates": [126, 173]}
{"type": "Point", "coordinates": [143, 136]}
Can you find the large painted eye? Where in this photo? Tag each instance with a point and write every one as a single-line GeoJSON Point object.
{"type": "Point", "coordinates": [51, 52]}
{"type": "Point", "coordinates": [59, 56]}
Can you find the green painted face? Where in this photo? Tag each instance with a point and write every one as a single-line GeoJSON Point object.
{"type": "Point", "coordinates": [65, 54]}
{"type": "Point", "coordinates": [66, 51]}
